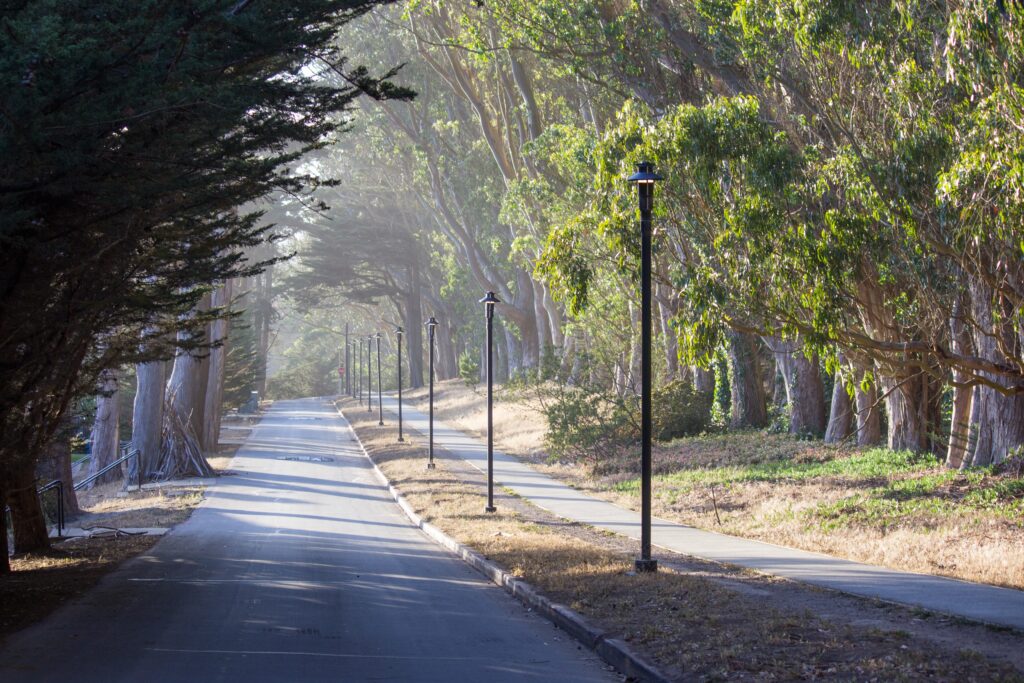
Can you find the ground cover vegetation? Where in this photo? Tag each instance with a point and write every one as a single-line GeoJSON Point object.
{"type": "Point", "coordinates": [899, 509]}
{"type": "Point", "coordinates": [138, 140]}
{"type": "Point", "coordinates": [693, 622]}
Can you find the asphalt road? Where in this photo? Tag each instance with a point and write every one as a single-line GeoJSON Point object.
{"type": "Point", "coordinates": [296, 570]}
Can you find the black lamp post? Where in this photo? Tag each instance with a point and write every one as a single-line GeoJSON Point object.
{"type": "Point", "coordinates": [359, 356]}
{"type": "Point", "coordinates": [431, 324]}
{"type": "Point", "coordinates": [488, 302]}
{"type": "Point", "coordinates": [645, 177]}
{"type": "Point", "coordinates": [369, 373]}
{"type": "Point", "coordinates": [398, 332]}
{"type": "Point", "coordinates": [348, 367]}
{"type": "Point", "coordinates": [380, 403]}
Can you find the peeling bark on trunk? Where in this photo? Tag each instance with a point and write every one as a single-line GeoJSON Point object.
{"type": "Point", "coordinates": [180, 452]}
{"type": "Point", "coordinates": [105, 430]}
{"type": "Point", "coordinates": [805, 394]}
{"type": "Point", "coordinates": [27, 520]}
{"type": "Point", "coordinates": [869, 417]}
{"type": "Point", "coordinates": [147, 420]}
{"type": "Point", "coordinates": [907, 430]}
{"type": "Point", "coordinates": [959, 423]}
{"type": "Point", "coordinates": [997, 420]}
{"type": "Point", "coordinates": [840, 419]}
{"type": "Point", "coordinates": [747, 392]}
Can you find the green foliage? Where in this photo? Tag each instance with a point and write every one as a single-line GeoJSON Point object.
{"type": "Point", "coordinates": [871, 464]}
{"type": "Point", "coordinates": [585, 425]}
{"type": "Point", "coordinates": [679, 410]}
{"type": "Point", "coordinates": [469, 368]}
{"type": "Point", "coordinates": [242, 362]}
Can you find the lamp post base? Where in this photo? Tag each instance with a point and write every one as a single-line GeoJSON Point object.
{"type": "Point", "coordinates": [381, 423]}
{"type": "Point", "coordinates": [646, 566]}
{"type": "Point", "coordinates": [431, 466]}
{"type": "Point", "coordinates": [401, 440]}
{"type": "Point", "coordinates": [490, 508]}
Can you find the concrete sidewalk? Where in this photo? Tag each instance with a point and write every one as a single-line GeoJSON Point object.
{"type": "Point", "coordinates": [979, 602]}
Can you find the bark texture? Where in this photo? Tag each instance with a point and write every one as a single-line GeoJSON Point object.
{"type": "Point", "coordinates": [27, 520]}
{"type": "Point", "coordinates": [147, 420]}
{"type": "Point", "coordinates": [214, 397]}
{"type": "Point", "coordinates": [106, 447]}
{"type": "Point", "coordinates": [840, 419]}
{"type": "Point", "coordinates": [746, 389]}
{"type": "Point", "coordinates": [805, 397]}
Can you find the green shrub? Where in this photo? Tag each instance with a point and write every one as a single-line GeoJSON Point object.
{"type": "Point", "coordinates": [585, 424]}
{"type": "Point", "coordinates": [679, 410]}
{"type": "Point", "coordinates": [469, 368]}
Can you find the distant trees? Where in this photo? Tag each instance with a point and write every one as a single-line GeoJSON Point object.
{"type": "Point", "coordinates": [842, 199]}
{"type": "Point", "coordinates": [130, 132]}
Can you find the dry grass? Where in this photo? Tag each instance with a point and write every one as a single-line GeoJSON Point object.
{"type": "Point", "coordinates": [920, 519]}
{"type": "Point", "coordinates": [42, 582]}
{"type": "Point", "coordinates": [691, 626]}
{"type": "Point", "coordinates": [516, 418]}
{"type": "Point", "coordinates": [108, 506]}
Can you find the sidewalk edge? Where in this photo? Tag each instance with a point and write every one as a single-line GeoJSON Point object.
{"type": "Point", "coordinates": [613, 651]}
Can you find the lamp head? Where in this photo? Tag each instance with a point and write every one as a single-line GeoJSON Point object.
{"type": "Point", "coordinates": [431, 322]}
{"type": "Point", "coordinates": [645, 174]}
{"type": "Point", "coordinates": [490, 299]}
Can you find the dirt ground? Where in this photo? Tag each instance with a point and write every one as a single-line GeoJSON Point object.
{"type": "Point", "coordinates": [854, 517]}
{"type": "Point", "coordinates": [42, 582]}
{"type": "Point", "coordinates": [697, 620]}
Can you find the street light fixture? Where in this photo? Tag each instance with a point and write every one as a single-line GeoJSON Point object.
{"type": "Point", "coordinates": [398, 332]}
{"type": "Point", "coordinates": [645, 177]}
{"type": "Point", "coordinates": [359, 356]}
{"type": "Point", "coordinates": [380, 403]}
{"type": "Point", "coordinates": [348, 367]}
{"type": "Point", "coordinates": [431, 324]}
{"type": "Point", "coordinates": [369, 373]}
{"type": "Point", "coordinates": [488, 301]}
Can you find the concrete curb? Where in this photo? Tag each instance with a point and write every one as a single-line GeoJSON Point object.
{"type": "Point", "coordinates": [613, 651]}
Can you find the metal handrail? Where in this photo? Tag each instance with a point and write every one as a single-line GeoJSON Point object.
{"type": "Point", "coordinates": [59, 485]}
{"type": "Point", "coordinates": [90, 479]}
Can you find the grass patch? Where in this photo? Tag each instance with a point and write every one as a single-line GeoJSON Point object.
{"type": "Point", "coordinates": [690, 626]}
{"type": "Point", "coordinates": [872, 464]}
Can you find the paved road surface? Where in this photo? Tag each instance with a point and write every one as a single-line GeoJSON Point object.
{"type": "Point", "coordinates": [296, 571]}
{"type": "Point", "coordinates": [989, 604]}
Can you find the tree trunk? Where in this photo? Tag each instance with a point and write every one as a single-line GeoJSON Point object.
{"type": "Point", "coordinates": [27, 520]}
{"type": "Point", "coordinates": [414, 330]}
{"type": "Point", "coordinates": [217, 364]}
{"type": "Point", "coordinates": [670, 343]}
{"type": "Point", "coordinates": [106, 447]}
{"type": "Point", "coordinates": [959, 423]}
{"type": "Point", "coordinates": [554, 313]}
{"type": "Point", "coordinates": [805, 394]}
{"type": "Point", "coordinates": [55, 463]}
{"type": "Point", "coordinates": [997, 421]}
{"type": "Point", "coordinates": [262, 312]}
{"type": "Point", "coordinates": [840, 419]}
{"type": "Point", "coordinates": [544, 344]}
{"type": "Point", "coordinates": [181, 454]}
{"type": "Point", "coordinates": [747, 392]}
{"type": "Point", "coordinates": [869, 417]}
{"type": "Point", "coordinates": [147, 420]}
{"type": "Point", "coordinates": [703, 380]}
{"type": "Point", "coordinates": [5, 548]}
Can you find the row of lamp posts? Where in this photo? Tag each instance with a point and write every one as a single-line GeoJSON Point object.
{"type": "Point", "coordinates": [644, 179]}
